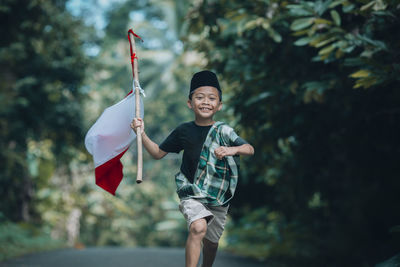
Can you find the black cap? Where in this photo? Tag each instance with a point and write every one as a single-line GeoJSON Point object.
{"type": "Point", "coordinates": [204, 78]}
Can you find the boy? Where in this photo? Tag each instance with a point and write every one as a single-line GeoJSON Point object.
{"type": "Point", "coordinates": [208, 174]}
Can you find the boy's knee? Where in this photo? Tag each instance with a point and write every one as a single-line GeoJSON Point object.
{"type": "Point", "coordinates": [198, 227]}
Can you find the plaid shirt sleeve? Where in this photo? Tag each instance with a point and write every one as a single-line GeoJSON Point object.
{"type": "Point", "coordinates": [215, 180]}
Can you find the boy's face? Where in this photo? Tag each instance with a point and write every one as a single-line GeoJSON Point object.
{"type": "Point", "coordinates": [205, 102]}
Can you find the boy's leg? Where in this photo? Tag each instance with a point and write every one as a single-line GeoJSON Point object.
{"type": "Point", "coordinates": [197, 217]}
{"type": "Point", "coordinates": [214, 232]}
{"type": "Point", "coordinates": [209, 252]}
{"type": "Point", "coordinates": [197, 232]}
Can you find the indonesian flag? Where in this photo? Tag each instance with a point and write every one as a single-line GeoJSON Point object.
{"type": "Point", "coordinates": [108, 140]}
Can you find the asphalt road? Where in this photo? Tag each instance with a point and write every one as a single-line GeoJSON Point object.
{"type": "Point", "coordinates": [121, 257]}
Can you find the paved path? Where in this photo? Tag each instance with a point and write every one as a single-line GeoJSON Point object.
{"type": "Point", "coordinates": [121, 257]}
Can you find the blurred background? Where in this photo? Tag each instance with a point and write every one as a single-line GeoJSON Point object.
{"type": "Point", "coordinates": [314, 86]}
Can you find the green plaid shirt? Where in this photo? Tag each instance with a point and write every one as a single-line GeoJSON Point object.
{"type": "Point", "coordinates": [215, 180]}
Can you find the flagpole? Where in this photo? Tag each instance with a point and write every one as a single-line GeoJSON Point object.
{"type": "Point", "coordinates": [135, 72]}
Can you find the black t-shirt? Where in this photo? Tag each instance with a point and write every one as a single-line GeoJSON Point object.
{"type": "Point", "coordinates": [190, 138]}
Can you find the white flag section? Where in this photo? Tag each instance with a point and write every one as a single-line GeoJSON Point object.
{"type": "Point", "coordinates": [108, 140]}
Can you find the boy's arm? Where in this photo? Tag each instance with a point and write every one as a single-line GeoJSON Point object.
{"type": "Point", "coordinates": [151, 147]}
{"type": "Point", "coordinates": [245, 150]}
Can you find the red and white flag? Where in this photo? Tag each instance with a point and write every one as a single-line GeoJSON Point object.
{"type": "Point", "coordinates": [108, 140]}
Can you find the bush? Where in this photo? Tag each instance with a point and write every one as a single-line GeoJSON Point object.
{"type": "Point", "coordinates": [19, 239]}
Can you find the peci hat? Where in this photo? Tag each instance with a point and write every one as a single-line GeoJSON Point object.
{"type": "Point", "coordinates": [204, 78]}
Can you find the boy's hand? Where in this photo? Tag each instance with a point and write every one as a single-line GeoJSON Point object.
{"type": "Point", "coordinates": [223, 151]}
{"type": "Point", "coordinates": [136, 123]}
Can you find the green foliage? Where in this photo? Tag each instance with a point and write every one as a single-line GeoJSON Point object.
{"type": "Point", "coordinates": [324, 152]}
{"type": "Point", "coordinates": [42, 66]}
{"type": "Point", "coordinates": [336, 42]}
{"type": "Point", "coordinates": [19, 239]}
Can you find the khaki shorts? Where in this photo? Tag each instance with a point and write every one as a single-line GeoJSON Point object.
{"type": "Point", "coordinates": [193, 210]}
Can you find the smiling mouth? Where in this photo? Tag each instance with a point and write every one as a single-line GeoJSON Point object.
{"type": "Point", "coordinates": [205, 109]}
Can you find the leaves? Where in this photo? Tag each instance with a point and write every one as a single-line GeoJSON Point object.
{"type": "Point", "coordinates": [360, 74]}
{"type": "Point", "coordinates": [302, 23]}
{"type": "Point", "coordinates": [303, 41]}
{"type": "Point", "coordinates": [376, 5]}
{"type": "Point", "coordinates": [336, 17]}
{"type": "Point", "coordinates": [265, 24]}
{"type": "Point", "coordinates": [333, 41]}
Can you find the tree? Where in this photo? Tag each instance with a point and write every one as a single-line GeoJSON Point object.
{"type": "Point", "coordinates": [42, 66]}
